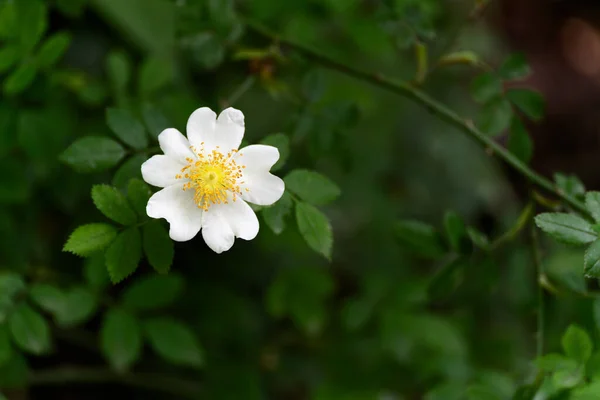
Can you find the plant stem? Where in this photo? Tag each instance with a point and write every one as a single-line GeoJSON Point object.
{"type": "Point", "coordinates": [240, 91]}
{"type": "Point", "coordinates": [539, 274]}
{"type": "Point", "coordinates": [151, 381]}
{"type": "Point", "coordinates": [436, 108]}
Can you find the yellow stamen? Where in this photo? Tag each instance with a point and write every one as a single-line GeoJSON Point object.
{"type": "Point", "coordinates": [212, 177]}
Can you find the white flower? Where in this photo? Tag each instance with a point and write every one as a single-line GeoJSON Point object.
{"type": "Point", "coordinates": [207, 181]}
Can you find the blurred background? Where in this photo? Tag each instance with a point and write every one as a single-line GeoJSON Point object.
{"type": "Point", "coordinates": [276, 320]}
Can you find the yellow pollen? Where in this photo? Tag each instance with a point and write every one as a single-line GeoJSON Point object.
{"type": "Point", "coordinates": [213, 177]}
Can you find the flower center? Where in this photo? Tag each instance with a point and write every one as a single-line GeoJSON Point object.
{"type": "Point", "coordinates": [214, 177]}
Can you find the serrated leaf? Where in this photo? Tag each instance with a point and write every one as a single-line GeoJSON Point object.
{"type": "Point", "coordinates": [53, 49]}
{"type": "Point", "coordinates": [113, 204]}
{"type": "Point", "coordinates": [95, 272]}
{"type": "Point", "coordinates": [519, 141]}
{"type": "Point", "coordinates": [153, 292]}
{"type": "Point", "coordinates": [276, 214]}
{"type": "Point", "coordinates": [514, 67]}
{"type": "Point", "coordinates": [48, 297]}
{"type": "Point", "coordinates": [20, 79]}
{"type": "Point", "coordinates": [121, 339]}
{"type": "Point", "coordinates": [158, 246]}
{"type": "Point", "coordinates": [592, 203]}
{"type": "Point", "coordinates": [5, 346]}
{"type": "Point", "coordinates": [420, 238]}
{"type": "Point", "coordinates": [90, 238]}
{"type": "Point", "coordinates": [123, 255]}
{"type": "Point", "coordinates": [311, 186]}
{"type": "Point", "coordinates": [174, 342]}
{"type": "Point", "coordinates": [118, 68]}
{"type": "Point", "coordinates": [155, 74]}
{"type": "Point", "coordinates": [127, 128]}
{"type": "Point", "coordinates": [577, 344]}
{"type": "Point", "coordinates": [138, 194]}
{"type": "Point", "coordinates": [29, 330]}
{"type": "Point", "coordinates": [282, 142]}
{"type": "Point", "coordinates": [93, 154]}
{"type": "Point", "coordinates": [155, 120]}
{"type": "Point", "coordinates": [530, 102]}
{"type": "Point", "coordinates": [9, 55]}
{"type": "Point", "coordinates": [591, 260]}
{"type": "Point", "coordinates": [566, 228]}
{"type": "Point", "coordinates": [486, 86]}
{"type": "Point", "coordinates": [130, 169]}
{"type": "Point", "coordinates": [314, 228]}
{"type": "Point", "coordinates": [496, 116]}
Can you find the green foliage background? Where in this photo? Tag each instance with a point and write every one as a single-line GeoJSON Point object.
{"type": "Point", "coordinates": [398, 265]}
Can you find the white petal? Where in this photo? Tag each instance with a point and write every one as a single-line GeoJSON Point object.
{"type": "Point", "coordinates": [230, 129]}
{"type": "Point", "coordinates": [241, 218]}
{"type": "Point", "coordinates": [178, 208]}
{"type": "Point", "coordinates": [175, 145]}
{"type": "Point", "coordinates": [160, 170]}
{"type": "Point", "coordinates": [201, 127]}
{"type": "Point", "coordinates": [216, 231]}
{"type": "Point", "coordinates": [264, 188]}
{"type": "Point", "coordinates": [258, 157]}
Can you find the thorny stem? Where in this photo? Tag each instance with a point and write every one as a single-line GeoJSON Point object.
{"type": "Point", "coordinates": [152, 381]}
{"type": "Point", "coordinates": [436, 108]}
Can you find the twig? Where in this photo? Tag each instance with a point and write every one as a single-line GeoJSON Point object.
{"type": "Point", "coordinates": [539, 274]}
{"type": "Point", "coordinates": [239, 91]}
{"type": "Point", "coordinates": [433, 106]}
{"type": "Point", "coordinates": [151, 381]}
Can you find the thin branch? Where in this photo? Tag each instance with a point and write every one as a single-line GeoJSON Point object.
{"type": "Point", "coordinates": [151, 381]}
{"type": "Point", "coordinates": [433, 106]}
{"type": "Point", "coordinates": [539, 274]}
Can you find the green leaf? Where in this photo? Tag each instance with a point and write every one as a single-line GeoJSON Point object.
{"type": "Point", "coordinates": [95, 272]}
{"type": "Point", "coordinates": [124, 254]}
{"type": "Point", "coordinates": [155, 121]}
{"type": "Point", "coordinates": [32, 22]}
{"type": "Point", "coordinates": [9, 55]}
{"type": "Point", "coordinates": [15, 373]}
{"type": "Point", "coordinates": [481, 392]}
{"type": "Point", "coordinates": [153, 292]}
{"type": "Point", "coordinates": [90, 238]}
{"type": "Point", "coordinates": [127, 128]}
{"type": "Point", "coordinates": [569, 377]}
{"type": "Point", "coordinates": [207, 50]}
{"type": "Point", "coordinates": [20, 79]}
{"type": "Point", "coordinates": [29, 330]}
{"type": "Point", "coordinates": [148, 23]}
{"type": "Point", "coordinates": [130, 169]}
{"type": "Point", "coordinates": [486, 86]}
{"type": "Point", "coordinates": [530, 102]}
{"type": "Point", "coordinates": [174, 342]}
{"type": "Point", "coordinates": [118, 68]}
{"type": "Point", "coordinates": [79, 306]}
{"type": "Point", "coordinates": [514, 67]}
{"type": "Point", "coordinates": [314, 228]}
{"type": "Point", "coordinates": [155, 74]}
{"type": "Point", "coordinates": [447, 279]}
{"type": "Point", "coordinates": [121, 339]}
{"type": "Point", "coordinates": [519, 141]}
{"type": "Point", "coordinates": [53, 49]}
{"type": "Point", "coordinates": [420, 238]}
{"type": "Point", "coordinates": [587, 392]}
{"type": "Point", "coordinates": [71, 8]}
{"type": "Point", "coordinates": [496, 116]}
{"type": "Point", "coordinates": [311, 187]}
{"type": "Point", "coordinates": [577, 344]}
{"type": "Point", "coordinates": [5, 346]}
{"type": "Point", "coordinates": [113, 204]}
{"type": "Point", "coordinates": [553, 362]}
{"type": "Point", "coordinates": [93, 154]}
{"type": "Point", "coordinates": [8, 20]}
{"type": "Point", "coordinates": [47, 297]}
{"type": "Point", "coordinates": [566, 228]}
{"type": "Point", "coordinates": [138, 193]}
{"type": "Point", "coordinates": [276, 214]}
{"type": "Point", "coordinates": [11, 284]}
{"type": "Point", "coordinates": [591, 260]}
{"type": "Point", "coordinates": [282, 142]}
{"type": "Point", "coordinates": [592, 203]}
{"type": "Point", "coordinates": [158, 246]}
{"type": "Point", "coordinates": [456, 232]}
